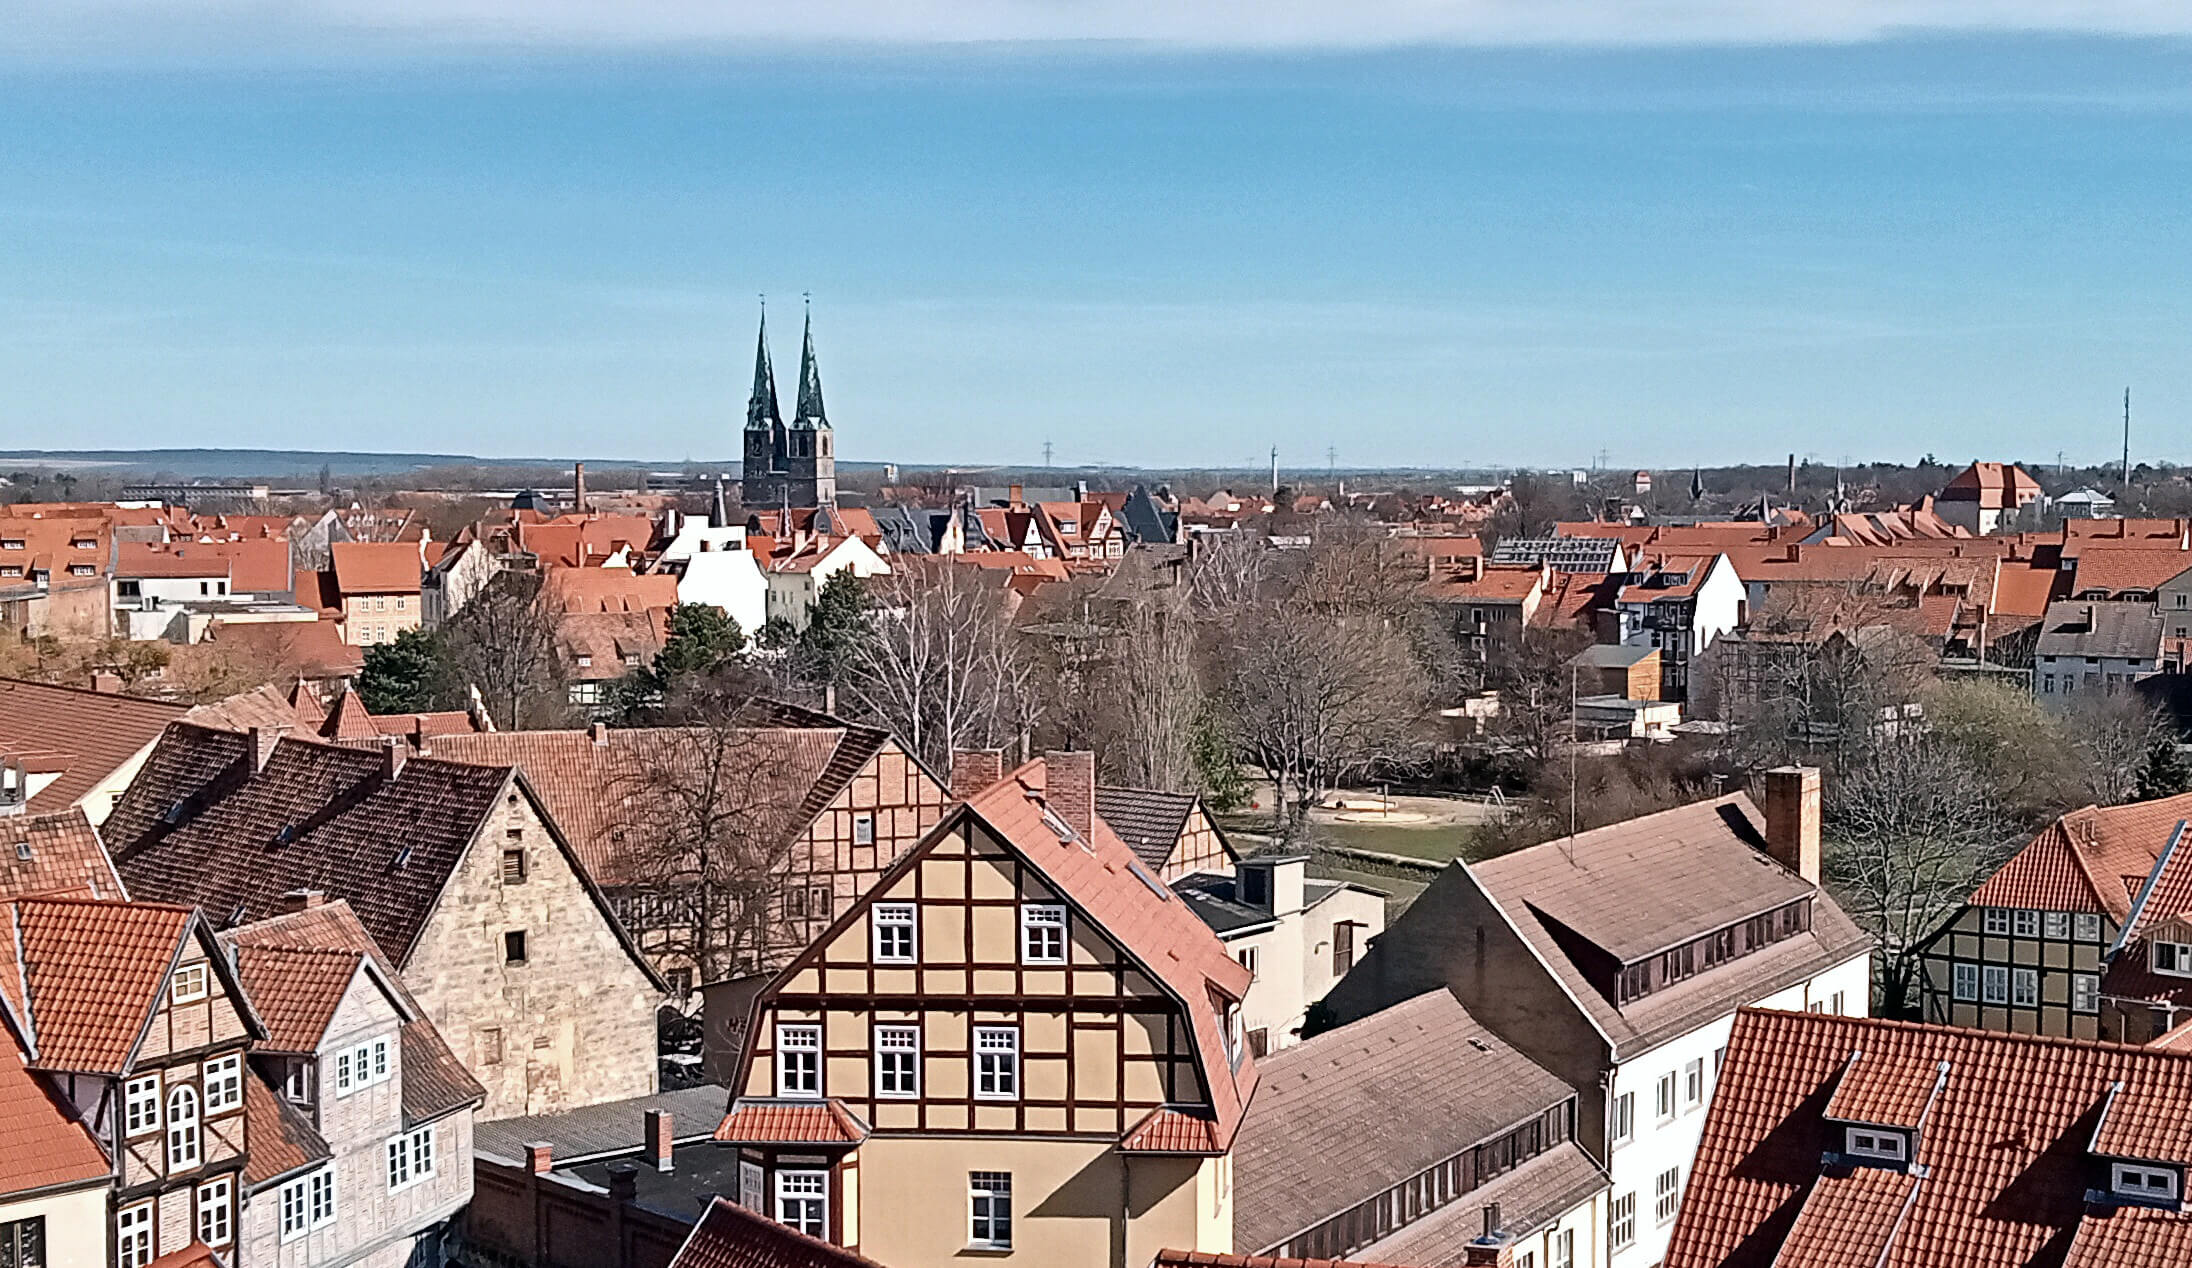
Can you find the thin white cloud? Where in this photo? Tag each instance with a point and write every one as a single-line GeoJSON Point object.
{"type": "Point", "coordinates": [79, 26]}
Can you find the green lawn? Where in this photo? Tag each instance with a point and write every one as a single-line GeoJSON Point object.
{"type": "Point", "coordinates": [1438, 844]}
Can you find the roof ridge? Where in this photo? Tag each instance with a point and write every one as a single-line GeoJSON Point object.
{"type": "Point", "coordinates": [78, 900]}
{"type": "Point", "coordinates": [6, 681]}
{"type": "Point", "coordinates": [1973, 1034]}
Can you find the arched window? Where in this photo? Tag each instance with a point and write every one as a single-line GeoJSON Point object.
{"type": "Point", "coordinates": [182, 1129]}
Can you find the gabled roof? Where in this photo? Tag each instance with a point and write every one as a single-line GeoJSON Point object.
{"type": "Point", "coordinates": [2008, 1151]}
{"type": "Point", "coordinates": [375, 567]}
{"type": "Point", "coordinates": [88, 735]}
{"type": "Point", "coordinates": [313, 649]}
{"type": "Point", "coordinates": [297, 990]}
{"type": "Point", "coordinates": [43, 1145]}
{"type": "Point", "coordinates": [1148, 820]}
{"type": "Point", "coordinates": [55, 855]}
{"type": "Point", "coordinates": [200, 825]}
{"type": "Point", "coordinates": [2127, 570]}
{"type": "Point", "coordinates": [1342, 1117]}
{"type": "Point", "coordinates": [2085, 627]}
{"type": "Point", "coordinates": [608, 590]}
{"type": "Point", "coordinates": [730, 1236]}
{"type": "Point", "coordinates": [283, 1140]}
{"type": "Point", "coordinates": [434, 1080]}
{"type": "Point", "coordinates": [2093, 859]}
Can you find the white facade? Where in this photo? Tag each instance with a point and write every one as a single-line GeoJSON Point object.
{"type": "Point", "coordinates": [730, 580]}
{"type": "Point", "coordinates": [1294, 955]}
{"type": "Point", "coordinates": [793, 591]}
{"type": "Point", "coordinates": [1662, 1146]}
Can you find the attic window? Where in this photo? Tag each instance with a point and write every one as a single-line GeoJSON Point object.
{"type": "Point", "coordinates": [2173, 958]}
{"type": "Point", "coordinates": [174, 814]}
{"type": "Point", "coordinates": [1869, 1142]}
{"type": "Point", "coordinates": [22, 851]}
{"type": "Point", "coordinates": [403, 858]}
{"type": "Point", "coordinates": [2144, 1184]}
{"type": "Point", "coordinates": [188, 985]}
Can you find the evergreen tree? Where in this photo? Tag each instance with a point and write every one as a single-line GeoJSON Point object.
{"type": "Point", "coordinates": [703, 639]}
{"type": "Point", "coordinates": [2164, 773]}
{"type": "Point", "coordinates": [404, 676]}
{"type": "Point", "coordinates": [837, 625]}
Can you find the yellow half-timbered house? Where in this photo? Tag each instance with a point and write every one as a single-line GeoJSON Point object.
{"type": "Point", "coordinates": [1019, 1044]}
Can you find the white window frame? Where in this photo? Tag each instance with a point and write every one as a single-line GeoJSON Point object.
{"type": "Point", "coordinates": [1044, 923]}
{"type": "Point", "coordinates": [1666, 1195]}
{"type": "Point", "coordinates": [2057, 925]}
{"type": "Point", "coordinates": [185, 1140]}
{"type": "Point", "coordinates": [1663, 1100]}
{"type": "Point", "coordinates": [752, 1190]}
{"type": "Point", "coordinates": [863, 828]}
{"type": "Point", "coordinates": [1621, 1221]}
{"type": "Point", "coordinates": [2024, 987]}
{"type": "Point", "coordinates": [321, 1195]}
{"type": "Point", "coordinates": [141, 1106]}
{"type": "Point", "coordinates": [1867, 1142]}
{"type": "Point", "coordinates": [989, 1210]}
{"type": "Point", "coordinates": [1994, 983]}
{"type": "Point", "coordinates": [2025, 922]}
{"type": "Point", "coordinates": [1623, 1128]}
{"type": "Point", "coordinates": [2088, 925]}
{"type": "Point", "coordinates": [998, 1064]}
{"type": "Point", "coordinates": [190, 984]}
{"type": "Point", "coordinates": [1251, 958]}
{"type": "Point", "coordinates": [2178, 954]}
{"type": "Point", "coordinates": [888, 921]}
{"type": "Point", "coordinates": [804, 1038]}
{"type": "Point", "coordinates": [292, 1217]}
{"type": "Point", "coordinates": [2085, 993]}
{"type": "Point", "coordinates": [221, 1205]}
{"type": "Point", "coordinates": [1994, 920]}
{"type": "Point", "coordinates": [1964, 982]}
{"type": "Point", "coordinates": [2151, 1183]}
{"type": "Point", "coordinates": [133, 1235]}
{"type": "Point", "coordinates": [1563, 1248]}
{"type": "Point", "coordinates": [1693, 1083]}
{"type": "Point", "coordinates": [811, 1191]}
{"type": "Point", "coordinates": [411, 1159]}
{"type": "Point", "coordinates": [898, 1041]}
{"type": "Point", "coordinates": [224, 1084]}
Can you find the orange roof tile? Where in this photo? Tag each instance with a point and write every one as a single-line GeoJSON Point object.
{"type": "Point", "coordinates": [730, 1236]}
{"type": "Point", "coordinates": [91, 733]}
{"type": "Point", "coordinates": [54, 854]}
{"type": "Point", "coordinates": [2093, 859]}
{"type": "Point", "coordinates": [2126, 570]}
{"type": "Point", "coordinates": [1169, 1131]}
{"type": "Point", "coordinates": [296, 991]}
{"type": "Point", "coordinates": [609, 590]}
{"type": "Point", "coordinates": [375, 567]}
{"type": "Point", "coordinates": [94, 972]}
{"type": "Point", "coordinates": [282, 1139]}
{"type": "Point", "coordinates": [309, 649]}
{"type": "Point", "coordinates": [757, 1121]}
{"type": "Point", "coordinates": [43, 1144]}
{"type": "Point", "coordinates": [2007, 1150]}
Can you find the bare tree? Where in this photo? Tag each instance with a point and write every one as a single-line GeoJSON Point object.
{"type": "Point", "coordinates": [941, 665]}
{"type": "Point", "coordinates": [1226, 571]}
{"type": "Point", "coordinates": [2112, 731]}
{"type": "Point", "coordinates": [1318, 698]}
{"type": "Point", "coordinates": [704, 819]}
{"type": "Point", "coordinates": [1910, 831]}
{"type": "Point", "coordinates": [1537, 687]}
{"type": "Point", "coordinates": [504, 643]}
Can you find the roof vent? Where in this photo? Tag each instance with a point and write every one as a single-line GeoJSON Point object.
{"type": "Point", "coordinates": [174, 813]}
{"type": "Point", "coordinates": [403, 858]}
{"type": "Point", "coordinates": [285, 834]}
{"type": "Point", "coordinates": [22, 851]}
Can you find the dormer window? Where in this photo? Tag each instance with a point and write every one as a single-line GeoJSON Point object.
{"type": "Point", "coordinates": [2137, 1182]}
{"type": "Point", "coordinates": [2173, 958]}
{"type": "Point", "coordinates": [1876, 1144]}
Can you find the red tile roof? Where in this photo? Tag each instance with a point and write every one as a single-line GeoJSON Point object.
{"type": "Point", "coordinates": [94, 971]}
{"type": "Point", "coordinates": [608, 590]}
{"type": "Point", "coordinates": [283, 1140]}
{"type": "Point", "coordinates": [578, 541]}
{"type": "Point", "coordinates": [730, 1236]}
{"type": "Point", "coordinates": [1996, 485]}
{"type": "Point", "coordinates": [57, 854]}
{"type": "Point", "coordinates": [296, 991]}
{"type": "Point", "coordinates": [88, 735]}
{"type": "Point", "coordinates": [756, 1121]}
{"type": "Point", "coordinates": [1212, 1259]}
{"type": "Point", "coordinates": [2093, 859]}
{"type": "Point", "coordinates": [2126, 570]}
{"type": "Point", "coordinates": [2007, 1148]}
{"type": "Point", "coordinates": [375, 567]}
{"type": "Point", "coordinates": [310, 649]}
{"type": "Point", "coordinates": [1497, 585]}
{"type": "Point", "coordinates": [1168, 1131]}
{"type": "Point", "coordinates": [43, 1145]}
{"type": "Point", "coordinates": [195, 1255]}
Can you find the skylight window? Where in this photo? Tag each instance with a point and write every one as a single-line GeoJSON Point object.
{"type": "Point", "coordinates": [1142, 874]}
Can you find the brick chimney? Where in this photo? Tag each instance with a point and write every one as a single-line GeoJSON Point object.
{"type": "Point", "coordinates": [972, 770]}
{"type": "Point", "coordinates": [394, 752]}
{"type": "Point", "coordinates": [540, 1157]}
{"type": "Point", "coordinates": [1792, 819]}
{"type": "Point", "coordinates": [263, 740]}
{"type": "Point", "coordinates": [578, 487]}
{"type": "Point", "coordinates": [660, 1146]}
{"type": "Point", "coordinates": [1069, 785]}
{"type": "Point", "coordinates": [304, 899]}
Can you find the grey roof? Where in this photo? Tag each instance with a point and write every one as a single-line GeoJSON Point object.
{"type": "Point", "coordinates": [1147, 522]}
{"type": "Point", "coordinates": [1678, 874]}
{"type": "Point", "coordinates": [613, 1127]}
{"type": "Point", "coordinates": [1563, 554]}
{"type": "Point", "coordinates": [700, 1171]}
{"type": "Point", "coordinates": [1217, 901]}
{"type": "Point", "coordinates": [1149, 821]}
{"type": "Point", "coordinates": [1344, 1116]}
{"type": "Point", "coordinates": [1612, 656]}
{"type": "Point", "coordinates": [1530, 1197]}
{"type": "Point", "coordinates": [2082, 627]}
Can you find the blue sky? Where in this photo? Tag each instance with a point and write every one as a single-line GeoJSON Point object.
{"type": "Point", "coordinates": [1513, 249]}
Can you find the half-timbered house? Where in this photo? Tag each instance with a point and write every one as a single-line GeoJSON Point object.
{"type": "Point", "coordinates": [133, 1017]}
{"type": "Point", "coordinates": [1018, 1044]}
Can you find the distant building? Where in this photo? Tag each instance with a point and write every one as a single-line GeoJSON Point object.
{"type": "Point", "coordinates": [2085, 504]}
{"type": "Point", "coordinates": [1563, 554]}
{"type": "Point", "coordinates": [1985, 495]}
{"type": "Point", "coordinates": [1296, 935]}
{"type": "Point", "coordinates": [794, 465]}
{"type": "Point", "coordinates": [2094, 648]}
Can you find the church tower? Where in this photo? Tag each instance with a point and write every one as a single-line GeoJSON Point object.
{"type": "Point", "coordinates": [810, 458]}
{"type": "Point", "coordinates": [762, 474]}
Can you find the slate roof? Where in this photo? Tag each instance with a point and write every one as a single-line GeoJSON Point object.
{"type": "Point", "coordinates": [434, 1080]}
{"type": "Point", "coordinates": [2084, 627]}
{"type": "Point", "coordinates": [54, 854]}
{"type": "Point", "coordinates": [1149, 821]}
{"type": "Point", "coordinates": [730, 1236]}
{"type": "Point", "coordinates": [43, 1145]}
{"type": "Point", "coordinates": [85, 735]}
{"type": "Point", "coordinates": [612, 1127]}
{"type": "Point", "coordinates": [318, 816]}
{"type": "Point", "coordinates": [92, 971]}
{"type": "Point", "coordinates": [1342, 1117]}
{"type": "Point", "coordinates": [2007, 1149]}
{"type": "Point", "coordinates": [1530, 1197]}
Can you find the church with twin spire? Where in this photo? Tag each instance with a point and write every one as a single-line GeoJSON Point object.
{"type": "Point", "coordinates": [788, 465]}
